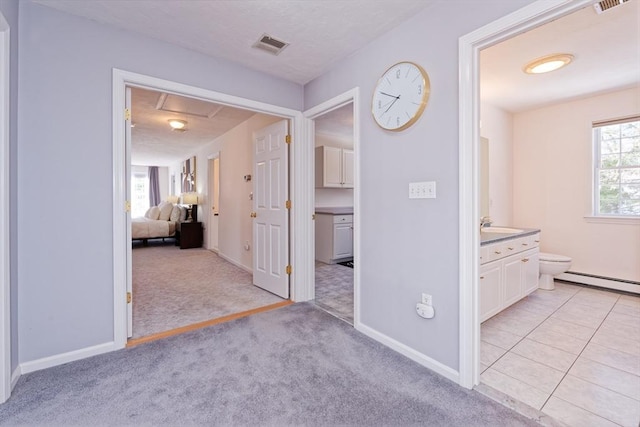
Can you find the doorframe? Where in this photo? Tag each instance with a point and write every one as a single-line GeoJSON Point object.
{"type": "Point", "coordinates": [210, 192]}
{"type": "Point", "coordinates": [350, 96]}
{"type": "Point", "coordinates": [5, 192]}
{"type": "Point", "coordinates": [469, 47]}
{"type": "Point", "coordinates": [299, 179]}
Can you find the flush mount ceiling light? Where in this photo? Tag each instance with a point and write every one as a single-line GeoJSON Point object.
{"type": "Point", "coordinates": [177, 124]}
{"type": "Point", "coordinates": [548, 63]}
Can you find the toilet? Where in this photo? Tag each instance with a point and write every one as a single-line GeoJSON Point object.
{"type": "Point", "coordinates": [551, 265]}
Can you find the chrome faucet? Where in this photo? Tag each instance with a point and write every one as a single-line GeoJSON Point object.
{"type": "Point", "coordinates": [485, 221]}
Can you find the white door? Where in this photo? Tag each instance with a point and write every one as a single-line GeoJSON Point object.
{"type": "Point", "coordinates": [214, 197]}
{"type": "Point", "coordinates": [127, 150]}
{"type": "Point", "coordinates": [270, 214]}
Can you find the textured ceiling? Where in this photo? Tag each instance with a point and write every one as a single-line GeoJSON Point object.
{"type": "Point", "coordinates": [607, 57]}
{"type": "Point", "coordinates": [320, 32]}
{"type": "Point", "coordinates": [336, 123]}
{"type": "Point", "coordinates": [153, 143]}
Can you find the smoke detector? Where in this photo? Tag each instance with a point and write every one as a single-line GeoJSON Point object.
{"type": "Point", "coordinates": [605, 5]}
{"type": "Point", "coordinates": [270, 44]}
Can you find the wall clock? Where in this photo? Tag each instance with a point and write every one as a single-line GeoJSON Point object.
{"type": "Point", "coordinates": [400, 96]}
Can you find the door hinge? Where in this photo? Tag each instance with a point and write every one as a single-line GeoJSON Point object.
{"type": "Point", "coordinates": [128, 297]}
{"type": "Point", "coordinates": [127, 114]}
{"type": "Point", "coordinates": [127, 206]}
{"type": "Point", "coordinates": [287, 204]}
{"type": "Point", "coordinates": [313, 217]}
{"type": "Point", "coordinates": [288, 269]}
{"type": "Point", "coordinates": [287, 139]}
{"type": "Point", "coordinates": [253, 215]}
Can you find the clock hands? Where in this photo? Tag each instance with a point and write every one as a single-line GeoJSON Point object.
{"type": "Point", "coordinates": [393, 102]}
{"type": "Point", "coordinates": [383, 93]}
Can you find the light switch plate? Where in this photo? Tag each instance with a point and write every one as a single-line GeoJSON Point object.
{"type": "Point", "coordinates": [422, 190]}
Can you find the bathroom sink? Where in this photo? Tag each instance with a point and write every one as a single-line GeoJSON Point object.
{"type": "Point", "coordinates": [501, 230]}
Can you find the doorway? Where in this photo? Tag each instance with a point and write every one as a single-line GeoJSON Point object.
{"type": "Point", "coordinates": [213, 190]}
{"type": "Point", "coordinates": [337, 121]}
{"type": "Point", "coordinates": [123, 79]}
{"type": "Point", "coordinates": [334, 187]}
{"type": "Point", "coordinates": [470, 45]}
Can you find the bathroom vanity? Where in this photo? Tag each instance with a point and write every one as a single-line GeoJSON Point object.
{"type": "Point", "coordinates": [509, 267]}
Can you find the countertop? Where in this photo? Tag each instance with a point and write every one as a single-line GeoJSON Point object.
{"type": "Point", "coordinates": [335, 210]}
{"type": "Point", "coordinates": [487, 238]}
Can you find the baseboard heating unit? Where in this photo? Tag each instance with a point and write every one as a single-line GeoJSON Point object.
{"type": "Point", "coordinates": [600, 281]}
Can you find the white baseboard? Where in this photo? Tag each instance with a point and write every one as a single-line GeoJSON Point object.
{"type": "Point", "coordinates": [60, 359]}
{"type": "Point", "coordinates": [236, 263]}
{"type": "Point", "coordinates": [601, 282]}
{"type": "Point", "coordinates": [15, 376]}
{"type": "Point", "coordinates": [412, 354]}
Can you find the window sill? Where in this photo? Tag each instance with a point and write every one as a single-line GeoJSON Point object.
{"type": "Point", "coordinates": [634, 220]}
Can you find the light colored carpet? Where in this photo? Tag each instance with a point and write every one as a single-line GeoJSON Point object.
{"type": "Point", "coordinates": [294, 366]}
{"type": "Point", "coordinates": [174, 288]}
{"type": "Point", "coordinates": [334, 290]}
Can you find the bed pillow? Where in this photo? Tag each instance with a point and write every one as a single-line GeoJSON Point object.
{"type": "Point", "coordinates": [165, 210]}
{"type": "Point", "coordinates": [153, 213]}
{"type": "Point", "coordinates": [175, 214]}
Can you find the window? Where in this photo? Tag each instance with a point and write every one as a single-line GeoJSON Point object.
{"type": "Point", "coordinates": [617, 168]}
{"type": "Point", "coordinates": [139, 195]}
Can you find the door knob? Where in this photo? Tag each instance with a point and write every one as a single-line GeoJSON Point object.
{"type": "Point", "coordinates": [253, 214]}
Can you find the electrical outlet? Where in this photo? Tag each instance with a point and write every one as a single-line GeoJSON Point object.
{"type": "Point", "coordinates": [427, 299]}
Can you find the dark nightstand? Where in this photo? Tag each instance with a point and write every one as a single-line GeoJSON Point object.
{"type": "Point", "coordinates": [190, 235]}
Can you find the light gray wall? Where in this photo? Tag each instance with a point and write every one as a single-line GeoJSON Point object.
{"type": "Point", "coordinates": [411, 246]}
{"type": "Point", "coordinates": [9, 10]}
{"type": "Point", "coordinates": [65, 171]}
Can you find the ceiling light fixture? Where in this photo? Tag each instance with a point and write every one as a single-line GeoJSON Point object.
{"type": "Point", "coordinates": [548, 63]}
{"type": "Point", "coordinates": [177, 124]}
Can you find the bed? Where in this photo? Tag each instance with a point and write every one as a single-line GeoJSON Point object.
{"type": "Point", "coordinates": [158, 222]}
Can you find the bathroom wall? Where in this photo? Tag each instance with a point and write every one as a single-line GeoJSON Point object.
{"type": "Point", "coordinates": [552, 184]}
{"type": "Point", "coordinates": [333, 197]}
{"type": "Point", "coordinates": [497, 127]}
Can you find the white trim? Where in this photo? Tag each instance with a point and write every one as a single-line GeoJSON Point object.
{"type": "Point", "coordinates": [15, 376]}
{"type": "Point", "coordinates": [409, 352]}
{"type": "Point", "coordinates": [601, 282]}
{"type": "Point", "coordinates": [301, 216]}
{"type": "Point", "coordinates": [71, 356]}
{"type": "Point", "coordinates": [469, 47]}
{"type": "Point", "coordinates": [234, 262]}
{"type": "Point", "coordinates": [620, 220]}
{"type": "Point", "coordinates": [5, 192]}
{"type": "Point", "coordinates": [350, 96]}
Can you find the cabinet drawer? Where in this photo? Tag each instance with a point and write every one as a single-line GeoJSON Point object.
{"type": "Point", "coordinates": [340, 219]}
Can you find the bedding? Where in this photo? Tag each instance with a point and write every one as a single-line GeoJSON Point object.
{"type": "Point", "coordinates": [158, 222]}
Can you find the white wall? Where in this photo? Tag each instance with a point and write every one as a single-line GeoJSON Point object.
{"type": "Point", "coordinates": [411, 246]}
{"type": "Point", "coordinates": [553, 184]}
{"type": "Point", "coordinates": [235, 226]}
{"type": "Point", "coordinates": [497, 127]}
{"type": "Point", "coordinates": [333, 197]}
{"type": "Point", "coordinates": [66, 64]}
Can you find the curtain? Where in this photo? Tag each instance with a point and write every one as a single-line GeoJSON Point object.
{"type": "Point", "coordinates": [154, 186]}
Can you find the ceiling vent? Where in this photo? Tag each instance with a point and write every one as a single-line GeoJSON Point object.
{"type": "Point", "coordinates": [605, 5]}
{"type": "Point", "coordinates": [270, 44]}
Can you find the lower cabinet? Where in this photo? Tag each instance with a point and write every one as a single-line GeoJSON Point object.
{"type": "Point", "coordinates": [507, 280]}
{"type": "Point", "coordinates": [334, 238]}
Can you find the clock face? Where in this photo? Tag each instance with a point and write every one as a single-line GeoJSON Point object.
{"type": "Point", "coordinates": [400, 96]}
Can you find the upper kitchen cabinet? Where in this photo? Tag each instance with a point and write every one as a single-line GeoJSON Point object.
{"type": "Point", "coordinates": [334, 167]}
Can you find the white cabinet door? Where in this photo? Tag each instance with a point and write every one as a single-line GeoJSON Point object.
{"type": "Point", "coordinates": [512, 280]}
{"type": "Point", "coordinates": [530, 271]}
{"type": "Point", "coordinates": [347, 168]}
{"type": "Point", "coordinates": [334, 167]}
{"type": "Point", "coordinates": [490, 292]}
{"type": "Point", "coordinates": [342, 240]}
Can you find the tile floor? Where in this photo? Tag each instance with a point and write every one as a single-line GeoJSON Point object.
{"type": "Point", "coordinates": [573, 353]}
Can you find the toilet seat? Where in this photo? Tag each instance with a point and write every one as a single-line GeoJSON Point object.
{"type": "Point", "coordinates": [547, 257]}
